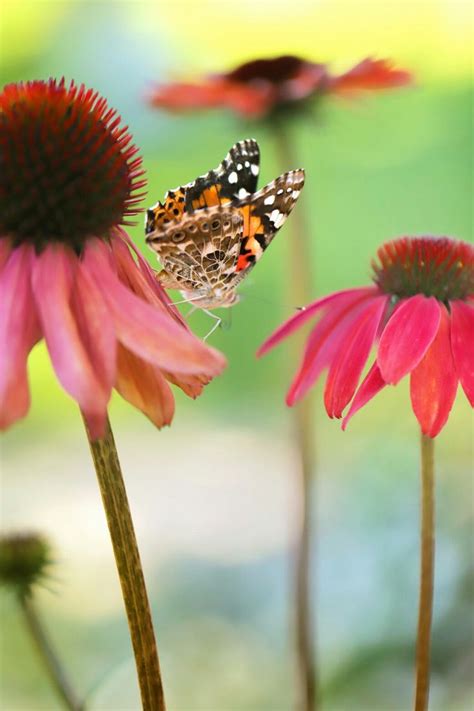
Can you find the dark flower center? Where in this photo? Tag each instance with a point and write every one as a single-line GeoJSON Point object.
{"type": "Point", "coordinates": [275, 70]}
{"type": "Point", "coordinates": [433, 266]}
{"type": "Point", "coordinates": [67, 168]}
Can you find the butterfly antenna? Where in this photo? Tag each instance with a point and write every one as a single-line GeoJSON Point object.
{"type": "Point", "coordinates": [272, 302]}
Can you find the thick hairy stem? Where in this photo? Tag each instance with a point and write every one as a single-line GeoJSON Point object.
{"type": "Point", "coordinates": [129, 567]}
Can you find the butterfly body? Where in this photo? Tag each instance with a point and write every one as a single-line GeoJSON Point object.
{"type": "Point", "coordinates": [210, 233]}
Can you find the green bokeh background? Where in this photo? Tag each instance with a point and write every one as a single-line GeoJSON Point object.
{"type": "Point", "coordinates": [214, 496]}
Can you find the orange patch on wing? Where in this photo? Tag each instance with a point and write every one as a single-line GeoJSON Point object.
{"type": "Point", "coordinates": [250, 246]}
{"type": "Point", "coordinates": [209, 197]}
{"type": "Point", "coordinates": [171, 211]}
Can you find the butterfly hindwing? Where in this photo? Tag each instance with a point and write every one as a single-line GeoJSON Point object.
{"type": "Point", "coordinates": [201, 251]}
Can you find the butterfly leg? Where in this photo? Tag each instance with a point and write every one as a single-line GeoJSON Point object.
{"type": "Point", "coordinates": [216, 325]}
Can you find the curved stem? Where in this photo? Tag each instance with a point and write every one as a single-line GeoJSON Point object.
{"type": "Point", "coordinates": [127, 558]}
{"type": "Point", "coordinates": [56, 673]}
{"type": "Point", "coordinates": [425, 610]}
{"type": "Point", "coordinates": [301, 286]}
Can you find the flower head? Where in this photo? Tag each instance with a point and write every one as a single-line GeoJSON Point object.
{"type": "Point", "coordinates": [24, 560]}
{"type": "Point", "coordinates": [420, 313]}
{"type": "Point", "coordinates": [68, 271]}
{"type": "Point", "coordinates": [261, 87]}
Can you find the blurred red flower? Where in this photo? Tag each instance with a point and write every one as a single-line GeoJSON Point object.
{"type": "Point", "coordinates": [257, 88]}
{"type": "Point", "coordinates": [67, 273]}
{"type": "Point", "coordinates": [421, 313]}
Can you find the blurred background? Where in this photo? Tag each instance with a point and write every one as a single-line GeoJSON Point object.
{"type": "Point", "coordinates": [213, 496]}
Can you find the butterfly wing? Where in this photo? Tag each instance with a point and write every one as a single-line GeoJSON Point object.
{"type": "Point", "coordinates": [235, 178]}
{"type": "Point", "coordinates": [200, 253]}
{"type": "Point", "coordinates": [263, 215]}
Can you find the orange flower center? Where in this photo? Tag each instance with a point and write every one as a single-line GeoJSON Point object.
{"type": "Point", "coordinates": [433, 266]}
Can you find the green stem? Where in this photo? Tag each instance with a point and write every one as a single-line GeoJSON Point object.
{"type": "Point", "coordinates": [127, 558]}
{"type": "Point", "coordinates": [425, 610]}
{"type": "Point", "coordinates": [53, 666]}
{"type": "Point", "coordinates": [301, 287]}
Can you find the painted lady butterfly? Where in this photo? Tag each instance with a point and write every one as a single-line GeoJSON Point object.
{"type": "Point", "coordinates": [208, 234]}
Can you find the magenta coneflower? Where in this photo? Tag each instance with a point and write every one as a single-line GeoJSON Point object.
{"type": "Point", "coordinates": [259, 87]}
{"type": "Point", "coordinates": [421, 313]}
{"type": "Point", "coordinates": [69, 179]}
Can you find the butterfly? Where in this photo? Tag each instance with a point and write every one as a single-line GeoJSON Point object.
{"type": "Point", "coordinates": [209, 233]}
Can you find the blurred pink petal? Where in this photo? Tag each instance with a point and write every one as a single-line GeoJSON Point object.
{"type": "Point", "coordinates": [370, 75]}
{"type": "Point", "coordinates": [140, 327]}
{"type": "Point", "coordinates": [18, 334]}
{"type": "Point", "coordinates": [354, 350]}
{"type": "Point", "coordinates": [462, 344]}
{"type": "Point", "coordinates": [143, 385]}
{"type": "Point", "coordinates": [301, 317]}
{"type": "Point", "coordinates": [434, 382]}
{"type": "Point", "coordinates": [323, 344]}
{"type": "Point", "coordinates": [53, 275]}
{"type": "Point", "coordinates": [407, 336]}
{"type": "Point", "coordinates": [372, 384]}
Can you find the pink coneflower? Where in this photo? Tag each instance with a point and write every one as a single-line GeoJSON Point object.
{"type": "Point", "coordinates": [260, 87]}
{"type": "Point", "coordinates": [421, 314]}
{"type": "Point", "coordinates": [69, 179]}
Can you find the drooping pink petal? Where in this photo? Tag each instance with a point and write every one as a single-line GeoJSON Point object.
{"type": "Point", "coordinates": [462, 344]}
{"type": "Point", "coordinates": [300, 318]}
{"type": "Point", "coordinates": [143, 385]}
{"type": "Point", "coordinates": [323, 343]}
{"type": "Point", "coordinates": [143, 329]}
{"type": "Point", "coordinates": [372, 384]}
{"type": "Point", "coordinates": [53, 276]}
{"type": "Point", "coordinates": [19, 331]}
{"type": "Point", "coordinates": [95, 325]}
{"type": "Point", "coordinates": [434, 381]}
{"type": "Point", "coordinates": [354, 350]}
{"type": "Point", "coordinates": [407, 336]}
{"type": "Point", "coordinates": [139, 277]}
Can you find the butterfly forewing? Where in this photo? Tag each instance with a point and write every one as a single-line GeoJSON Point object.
{"type": "Point", "coordinates": [235, 178]}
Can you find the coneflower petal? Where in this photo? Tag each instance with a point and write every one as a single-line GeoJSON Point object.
{"type": "Point", "coordinates": [354, 350]}
{"type": "Point", "coordinates": [372, 384]}
{"type": "Point", "coordinates": [300, 318]}
{"type": "Point", "coordinates": [95, 326]}
{"type": "Point", "coordinates": [143, 385]}
{"type": "Point", "coordinates": [52, 279]}
{"type": "Point", "coordinates": [19, 331]}
{"type": "Point", "coordinates": [140, 327]}
{"type": "Point", "coordinates": [462, 344]}
{"type": "Point", "coordinates": [434, 381]}
{"type": "Point", "coordinates": [323, 344]}
{"type": "Point", "coordinates": [407, 336]}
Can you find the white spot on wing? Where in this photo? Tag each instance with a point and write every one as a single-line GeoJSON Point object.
{"type": "Point", "coordinates": [277, 218]}
{"type": "Point", "coordinates": [254, 169]}
{"type": "Point", "coordinates": [269, 200]}
{"type": "Point", "coordinates": [242, 193]}
{"type": "Point", "coordinates": [233, 177]}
